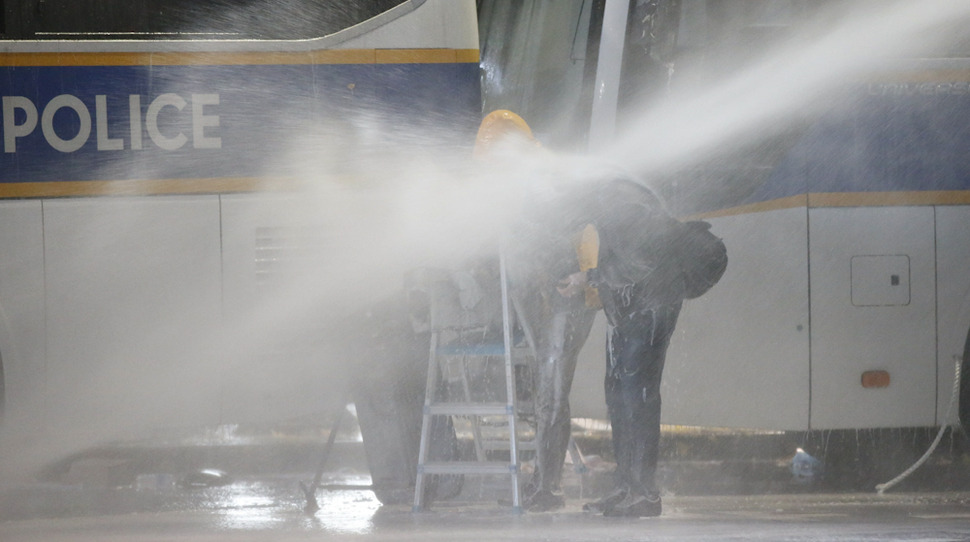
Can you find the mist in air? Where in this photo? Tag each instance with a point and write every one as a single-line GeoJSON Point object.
{"type": "Point", "coordinates": [154, 348]}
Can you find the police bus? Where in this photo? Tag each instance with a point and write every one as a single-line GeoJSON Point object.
{"type": "Point", "coordinates": [826, 142]}
{"type": "Point", "coordinates": [162, 259]}
{"type": "Point", "coordinates": [176, 192]}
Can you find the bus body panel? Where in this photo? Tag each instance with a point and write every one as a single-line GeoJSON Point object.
{"type": "Point", "coordinates": [282, 364]}
{"type": "Point", "coordinates": [132, 298]}
{"type": "Point", "coordinates": [131, 288]}
{"type": "Point", "coordinates": [206, 123]}
{"type": "Point", "coordinates": [720, 365]}
{"type": "Point", "coordinates": [881, 178]}
{"type": "Point", "coordinates": [22, 321]}
{"type": "Point", "coordinates": [873, 308]}
{"type": "Point", "coordinates": [780, 343]}
{"type": "Point", "coordinates": [721, 370]}
{"type": "Point", "coordinates": [953, 301]}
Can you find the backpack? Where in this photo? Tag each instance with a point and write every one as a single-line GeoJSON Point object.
{"type": "Point", "coordinates": [703, 257]}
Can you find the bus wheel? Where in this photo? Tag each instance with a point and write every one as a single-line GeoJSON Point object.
{"type": "Point", "coordinates": [965, 387]}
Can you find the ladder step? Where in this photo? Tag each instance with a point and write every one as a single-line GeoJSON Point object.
{"type": "Point", "coordinates": [469, 409]}
{"type": "Point", "coordinates": [519, 353]}
{"type": "Point", "coordinates": [499, 444]}
{"type": "Point", "coordinates": [449, 362]}
{"type": "Point", "coordinates": [468, 467]}
{"type": "Point", "coordinates": [483, 349]}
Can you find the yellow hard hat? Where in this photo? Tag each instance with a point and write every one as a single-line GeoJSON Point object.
{"type": "Point", "coordinates": [498, 125]}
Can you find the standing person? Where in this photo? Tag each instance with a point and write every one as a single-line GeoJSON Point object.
{"type": "Point", "coordinates": [642, 288]}
{"type": "Point", "coordinates": [541, 251]}
{"type": "Point", "coordinates": [560, 327]}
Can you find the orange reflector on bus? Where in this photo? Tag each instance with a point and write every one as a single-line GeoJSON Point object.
{"type": "Point", "coordinates": [875, 379]}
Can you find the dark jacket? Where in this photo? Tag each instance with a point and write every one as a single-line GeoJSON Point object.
{"type": "Point", "coordinates": [638, 268]}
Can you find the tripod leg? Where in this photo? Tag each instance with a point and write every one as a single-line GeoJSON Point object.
{"type": "Point", "coordinates": [310, 491]}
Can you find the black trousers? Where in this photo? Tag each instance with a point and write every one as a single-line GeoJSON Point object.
{"type": "Point", "coordinates": [636, 346]}
{"type": "Point", "coordinates": [560, 341]}
{"type": "Point", "coordinates": [560, 327]}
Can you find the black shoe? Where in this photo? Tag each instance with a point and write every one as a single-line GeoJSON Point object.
{"type": "Point", "coordinates": [543, 501]}
{"type": "Point", "coordinates": [607, 501]}
{"type": "Point", "coordinates": [636, 506]}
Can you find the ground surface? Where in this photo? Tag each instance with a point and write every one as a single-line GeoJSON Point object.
{"type": "Point", "coordinates": [270, 510]}
{"type": "Point", "coordinates": [715, 489]}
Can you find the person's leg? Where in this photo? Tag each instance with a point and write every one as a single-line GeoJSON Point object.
{"type": "Point", "coordinates": [615, 411]}
{"type": "Point", "coordinates": [640, 351]}
{"type": "Point", "coordinates": [559, 347]}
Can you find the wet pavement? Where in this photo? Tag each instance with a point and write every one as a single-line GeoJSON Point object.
{"type": "Point", "coordinates": [152, 493]}
{"type": "Point", "coordinates": [272, 509]}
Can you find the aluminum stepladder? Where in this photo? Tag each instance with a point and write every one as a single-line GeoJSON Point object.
{"type": "Point", "coordinates": [442, 349]}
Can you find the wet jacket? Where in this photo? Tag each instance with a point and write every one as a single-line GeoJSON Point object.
{"type": "Point", "coordinates": [638, 268]}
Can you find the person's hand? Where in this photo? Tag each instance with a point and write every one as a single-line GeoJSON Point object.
{"type": "Point", "coordinates": [572, 285]}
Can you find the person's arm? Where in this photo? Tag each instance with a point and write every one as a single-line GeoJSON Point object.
{"type": "Point", "coordinates": [573, 284]}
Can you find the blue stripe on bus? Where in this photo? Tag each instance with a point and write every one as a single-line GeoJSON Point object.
{"type": "Point", "coordinates": [906, 142]}
{"type": "Point", "coordinates": [261, 108]}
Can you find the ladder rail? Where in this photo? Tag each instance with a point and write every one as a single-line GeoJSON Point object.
{"type": "Point", "coordinates": [426, 421]}
{"type": "Point", "coordinates": [471, 408]}
{"type": "Point", "coordinates": [510, 384]}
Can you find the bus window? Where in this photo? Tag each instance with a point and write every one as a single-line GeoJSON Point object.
{"type": "Point", "coordinates": [190, 19]}
{"type": "Point", "coordinates": [534, 55]}
{"type": "Point", "coordinates": [674, 48]}
{"type": "Point", "coordinates": [715, 37]}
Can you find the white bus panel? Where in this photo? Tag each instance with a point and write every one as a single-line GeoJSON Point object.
{"type": "Point", "coordinates": [859, 326]}
{"type": "Point", "coordinates": [22, 311]}
{"type": "Point", "coordinates": [132, 299]}
{"type": "Point", "coordinates": [280, 361]}
{"type": "Point", "coordinates": [720, 366]}
{"type": "Point", "coordinates": [721, 370]}
{"type": "Point", "coordinates": [953, 299]}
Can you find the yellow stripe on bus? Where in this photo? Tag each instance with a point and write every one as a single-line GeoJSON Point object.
{"type": "Point", "coordinates": [223, 185]}
{"type": "Point", "coordinates": [790, 202]}
{"type": "Point", "coordinates": [263, 184]}
{"type": "Point", "coordinates": [848, 199]}
{"type": "Point", "coordinates": [923, 76]}
{"type": "Point", "coordinates": [889, 199]}
{"type": "Point", "coordinates": [190, 58]}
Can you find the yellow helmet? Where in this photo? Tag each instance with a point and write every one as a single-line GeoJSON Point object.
{"type": "Point", "coordinates": [497, 126]}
